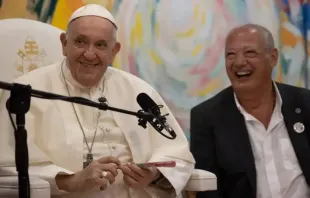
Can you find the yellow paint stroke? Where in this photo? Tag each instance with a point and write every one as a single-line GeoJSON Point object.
{"type": "Point", "coordinates": [186, 34]}
{"type": "Point", "coordinates": [196, 12]}
{"type": "Point", "coordinates": [283, 17]}
{"type": "Point", "coordinates": [213, 85]}
{"type": "Point", "coordinates": [197, 49]}
{"type": "Point", "coordinates": [156, 58]}
{"type": "Point", "coordinates": [116, 62]}
{"type": "Point", "coordinates": [203, 18]}
{"type": "Point", "coordinates": [190, 32]}
{"type": "Point", "coordinates": [137, 32]}
{"type": "Point", "coordinates": [156, 29]}
{"type": "Point", "coordinates": [63, 11]}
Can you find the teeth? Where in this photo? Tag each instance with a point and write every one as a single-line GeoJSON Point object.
{"type": "Point", "coordinates": [88, 65]}
{"type": "Point", "coordinates": [242, 73]}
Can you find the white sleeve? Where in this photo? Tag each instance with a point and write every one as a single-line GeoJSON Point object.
{"type": "Point", "coordinates": [45, 171]}
{"type": "Point", "coordinates": [176, 150]}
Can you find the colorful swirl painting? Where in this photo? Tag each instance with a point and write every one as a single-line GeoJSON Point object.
{"type": "Point", "coordinates": [177, 45]}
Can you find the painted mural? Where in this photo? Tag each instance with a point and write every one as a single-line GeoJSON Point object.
{"type": "Point", "coordinates": [177, 45]}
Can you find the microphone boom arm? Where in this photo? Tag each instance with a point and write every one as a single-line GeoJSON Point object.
{"type": "Point", "coordinates": [77, 100]}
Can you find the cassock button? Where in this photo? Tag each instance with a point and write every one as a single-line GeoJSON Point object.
{"type": "Point", "coordinates": [299, 127]}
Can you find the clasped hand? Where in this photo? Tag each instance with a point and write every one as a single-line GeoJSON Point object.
{"type": "Point", "coordinates": [92, 176]}
{"type": "Point", "coordinates": [136, 177]}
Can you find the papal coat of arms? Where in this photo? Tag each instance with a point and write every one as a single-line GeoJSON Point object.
{"type": "Point", "coordinates": [31, 57]}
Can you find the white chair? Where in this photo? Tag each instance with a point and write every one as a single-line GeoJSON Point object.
{"type": "Point", "coordinates": [27, 45]}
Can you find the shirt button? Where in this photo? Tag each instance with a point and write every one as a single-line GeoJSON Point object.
{"type": "Point", "coordinates": [113, 147]}
{"type": "Point", "coordinates": [108, 130]}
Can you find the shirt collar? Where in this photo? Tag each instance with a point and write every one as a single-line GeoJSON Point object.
{"type": "Point", "coordinates": [277, 108]}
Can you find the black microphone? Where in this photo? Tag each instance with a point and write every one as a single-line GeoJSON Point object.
{"type": "Point", "coordinates": [158, 121]}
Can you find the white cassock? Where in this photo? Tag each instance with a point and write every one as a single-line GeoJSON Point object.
{"type": "Point", "coordinates": [55, 139]}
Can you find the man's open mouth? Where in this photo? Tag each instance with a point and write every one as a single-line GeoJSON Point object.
{"type": "Point", "coordinates": [241, 74]}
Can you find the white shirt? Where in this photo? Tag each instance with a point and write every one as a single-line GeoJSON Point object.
{"type": "Point", "coordinates": [278, 171]}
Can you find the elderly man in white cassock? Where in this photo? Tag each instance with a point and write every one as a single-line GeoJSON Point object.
{"type": "Point", "coordinates": [62, 136]}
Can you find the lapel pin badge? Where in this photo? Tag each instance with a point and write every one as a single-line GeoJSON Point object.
{"type": "Point", "coordinates": [298, 110]}
{"type": "Point", "coordinates": [299, 127]}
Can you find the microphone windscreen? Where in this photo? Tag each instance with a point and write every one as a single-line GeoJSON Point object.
{"type": "Point", "coordinates": [146, 103]}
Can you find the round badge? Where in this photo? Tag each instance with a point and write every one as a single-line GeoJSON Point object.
{"type": "Point", "coordinates": [299, 127]}
{"type": "Point", "coordinates": [298, 110]}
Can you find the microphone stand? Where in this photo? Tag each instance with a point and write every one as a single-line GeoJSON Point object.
{"type": "Point", "coordinates": [19, 104]}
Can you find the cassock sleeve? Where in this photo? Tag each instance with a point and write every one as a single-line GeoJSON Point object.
{"type": "Point", "coordinates": [176, 149]}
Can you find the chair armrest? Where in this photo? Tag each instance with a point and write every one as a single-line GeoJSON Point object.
{"type": "Point", "coordinates": [201, 180]}
{"type": "Point", "coordinates": [39, 188]}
